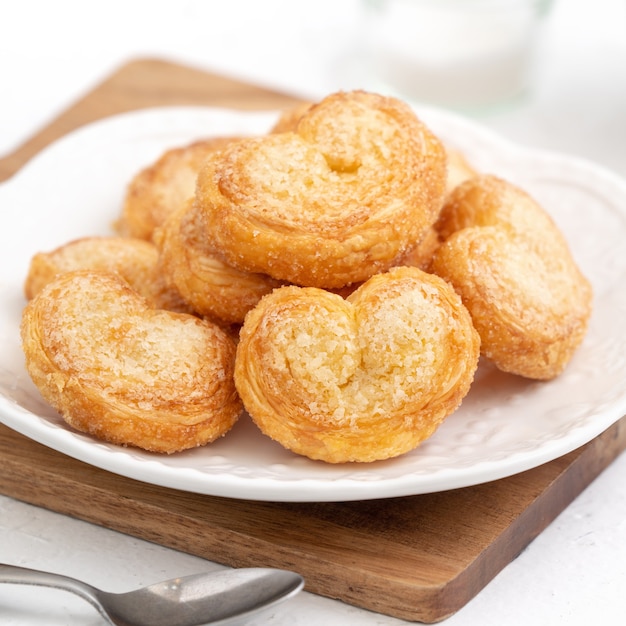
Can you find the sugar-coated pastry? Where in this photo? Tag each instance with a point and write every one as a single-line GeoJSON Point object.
{"type": "Point", "coordinates": [358, 183]}
{"type": "Point", "coordinates": [512, 267]}
{"type": "Point", "coordinates": [459, 168]}
{"type": "Point", "coordinates": [358, 379]}
{"type": "Point", "coordinates": [488, 200]}
{"type": "Point", "coordinates": [193, 268]}
{"type": "Point", "coordinates": [164, 186]}
{"type": "Point", "coordinates": [135, 260]}
{"type": "Point", "coordinates": [126, 373]}
{"type": "Point", "coordinates": [419, 256]}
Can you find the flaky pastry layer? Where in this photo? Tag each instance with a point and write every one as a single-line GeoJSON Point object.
{"type": "Point", "coordinates": [357, 184]}
{"type": "Point", "coordinates": [164, 186]}
{"type": "Point", "coordinates": [135, 260]}
{"type": "Point", "coordinates": [511, 265]}
{"type": "Point", "coordinates": [126, 373]}
{"type": "Point", "coordinates": [361, 379]}
{"type": "Point", "coordinates": [191, 265]}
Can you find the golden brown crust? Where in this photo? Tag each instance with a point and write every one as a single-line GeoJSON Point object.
{"type": "Point", "coordinates": [135, 260]}
{"type": "Point", "coordinates": [164, 186]}
{"type": "Point", "coordinates": [459, 167]}
{"type": "Point", "coordinates": [125, 373]}
{"type": "Point", "coordinates": [421, 254]}
{"type": "Point", "coordinates": [194, 269]}
{"type": "Point", "coordinates": [488, 200]}
{"type": "Point", "coordinates": [511, 265]}
{"type": "Point", "coordinates": [337, 201]}
{"type": "Point", "coordinates": [361, 379]}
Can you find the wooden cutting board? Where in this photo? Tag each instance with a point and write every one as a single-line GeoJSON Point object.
{"type": "Point", "coordinates": [419, 558]}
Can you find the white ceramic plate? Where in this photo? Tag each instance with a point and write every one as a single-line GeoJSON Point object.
{"type": "Point", "coordinates": [505, 425]}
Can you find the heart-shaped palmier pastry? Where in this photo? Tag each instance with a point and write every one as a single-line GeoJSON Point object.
{"type": "Point", "coordinates": [512, 266]}
{"type": "Point", "coordinates": [360, 379]}
{"type": "Point", "coordinates": [124, 372]}
{"type": "Point", "coordinates": [357, 183]}
{"type": "Point", "coordinates": [459, 168]}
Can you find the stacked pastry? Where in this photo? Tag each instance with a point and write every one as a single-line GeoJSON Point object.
{"type": "Point", "coordinates": [337, 277]}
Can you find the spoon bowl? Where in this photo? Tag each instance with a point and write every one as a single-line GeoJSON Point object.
{"type": "Point", "coordinates": [221, 597]}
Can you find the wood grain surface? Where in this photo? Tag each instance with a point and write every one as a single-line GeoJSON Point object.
{"type": "Point", "coordinates": [142, 84]}
{"type": "Point", "coordinates": [419, 558]}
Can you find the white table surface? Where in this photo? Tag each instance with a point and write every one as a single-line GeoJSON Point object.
{"type": "Point", "coordinates": [51, 53]}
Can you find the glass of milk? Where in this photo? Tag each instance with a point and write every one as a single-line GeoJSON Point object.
{"type": "Point", "coordinates": [464, 54]}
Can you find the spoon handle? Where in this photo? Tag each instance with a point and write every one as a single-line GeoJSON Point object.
{"type": "Point", "coordinates": [14, 574]}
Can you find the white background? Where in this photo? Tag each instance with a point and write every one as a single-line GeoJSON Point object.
{"type": "Point", "coordinates": [51, 53]}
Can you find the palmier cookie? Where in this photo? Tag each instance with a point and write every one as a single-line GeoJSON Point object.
{"type": "Point", "coordinates": [126, 373]}
{"type": "Point", "coordinates": [531, 307]}
{"type": "Point", "coordinates": [192, 267]}
{"type": "Point", "coordinates": [361, 379]}
{"type": "Point", "coordinates": [459, 167]}
{"type": "Point", "coordinates": [163, 186]}
{"type": "Point", "coordinates": [488, 200]}
{"type": "Point", "coordinates": [515, 272]}
{"type": "Point", "coordinates": [135, 260]}
{"type": "Point", "coordinates": [359, 182]}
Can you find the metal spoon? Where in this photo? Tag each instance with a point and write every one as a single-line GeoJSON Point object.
{"type": "Point", "coordinates": [221, 597]}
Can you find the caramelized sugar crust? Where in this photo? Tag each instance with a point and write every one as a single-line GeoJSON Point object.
{"type": "Point", "coordinates": [129, 374]}
{"type": "Point", "coordinates": [361, 379]}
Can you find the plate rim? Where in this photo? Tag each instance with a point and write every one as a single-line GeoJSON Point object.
{"type": "Point", "coordinates": [71, 443]}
